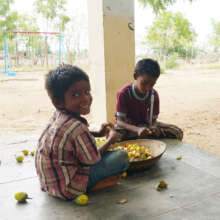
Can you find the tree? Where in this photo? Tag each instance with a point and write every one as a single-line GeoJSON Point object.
{"type": "Point", "coordinates": [53, 12]}
{"type": "Point", "coordinates": [63, 20]}
{"type": "Point", "coordinates": [171, 33]}
{"type": "Point", "coordinates": [158, 5]}
{"type": "Point", "coordinates": [214, 39]}
{"type": "Point", "coordinates": [76, 36]}
{"type": "Point", "coordinates": [31, 42]}
{"type": "Point", "coordinates": [7, 18]}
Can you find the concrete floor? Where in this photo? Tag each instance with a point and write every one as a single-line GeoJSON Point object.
{"type": "Point", "coordinates": [193, 188]}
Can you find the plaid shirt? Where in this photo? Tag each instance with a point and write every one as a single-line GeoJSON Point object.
{"type": "Point", "coordinates": [66, 150]}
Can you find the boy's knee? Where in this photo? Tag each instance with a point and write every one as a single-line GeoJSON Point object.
{"type": "Point", "coordinates": [123, 156]}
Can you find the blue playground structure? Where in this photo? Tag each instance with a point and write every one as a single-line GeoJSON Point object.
{"type": "Point", "coordinates": [7, 60]}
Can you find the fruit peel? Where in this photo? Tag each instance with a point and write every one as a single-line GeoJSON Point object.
{"type": "Point", "coordinates": [161, 185]}
{"type": "Point", "coordinates": [179, 157]}
{"type": "Point", "coordinates": [122, 201]}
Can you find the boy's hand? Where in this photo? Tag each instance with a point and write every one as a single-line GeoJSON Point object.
{"type": "Point", "coordinates": [111, 139]}
{"type": "Point", "coordinates": [112, 136]}
{"type": "Point", "coordinates": [143, 131]}
{"type": "Point", "coordinates": [105, 129]}
{"type": "Point", "coordinates": [157, 131]}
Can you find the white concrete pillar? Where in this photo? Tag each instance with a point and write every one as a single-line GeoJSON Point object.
{"type": "Point", "coordinates": [111, 52]}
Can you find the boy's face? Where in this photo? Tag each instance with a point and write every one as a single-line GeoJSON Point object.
{"type": "Point", "coordinates": [77, 98]}
{"type": "Point", "coordinates": [144, 83]}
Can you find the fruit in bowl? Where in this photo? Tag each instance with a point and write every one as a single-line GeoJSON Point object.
{"type": "Point", "coordinates": [136, 152]}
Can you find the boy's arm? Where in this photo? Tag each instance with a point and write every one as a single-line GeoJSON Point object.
{"type": "Point", "coordinates": [139, 131]}
{"type": "Point", "coordinates": [154, 124]}
{"type": "Point", "coordinates": [122, 123]}
{"type": "Point", "coordinates": [85, 147]}
{"type": "Point", "coordinates": [156, 109]}
{"type": "Point", "coordinates": [111, 139]}
{"type": "Point", "coordinates": [95, 133]}
{"type": "Point", "coordinates": [103, 131]}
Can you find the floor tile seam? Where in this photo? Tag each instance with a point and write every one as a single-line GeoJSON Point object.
{"type": "Point", "coordinates": [167, 212]}
{"type": "Point", "coordinates": [18, 180]}
{"type": "Point", "coordinates": [200, 200]}
{"type": "Point", "coordinates": [24, 140]}
{"type": "Point", "coordinates": [15, 142]}
{"type": "Point", "coordinates": [202, 170]}
{"type": "Point", "coordinates": [189, 154]}
{"type": "Point", "coordinates": [206, 172]}
{"type": "Point", "coordinates": [186, 205]}
{"type": "Point", "coordinates": [195, 150]}
{"type": "Point", "coordinates": [11, 146]}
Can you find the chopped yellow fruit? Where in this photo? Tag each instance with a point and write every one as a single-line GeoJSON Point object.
{"type": "Point", "coordinates": [135, 151]}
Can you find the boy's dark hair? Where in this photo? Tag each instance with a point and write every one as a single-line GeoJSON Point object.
{"type": "Point", "coordinates": [147, 66]}
{"type": "Point", "coordinates": [60, 79]}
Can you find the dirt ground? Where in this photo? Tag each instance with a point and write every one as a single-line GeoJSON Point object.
{"type": "Point", "coordinates": [189, 99]}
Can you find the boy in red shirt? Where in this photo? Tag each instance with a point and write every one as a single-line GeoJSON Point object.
{"type": "Point", "coordinates": [137, 107]}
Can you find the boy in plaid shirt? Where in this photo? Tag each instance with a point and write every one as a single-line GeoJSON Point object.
{"type": "Point", "coordinates": [67, 160]}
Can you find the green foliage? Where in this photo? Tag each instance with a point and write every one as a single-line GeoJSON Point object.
{"type": "Point", "coordinates": [33, 42]}
{"type": "Point", "coordinates": [49, 8]}
{"type": "Point", "coordinates": [158, 5]}
{"type": "Point", "coordinates": [9, 21]}
{"type": "Point", "coordinates": [53, 11]}
{"type": "Point", "coordinates": [162, 70]}
{"type": "Point", "coordinates": [7, 18]}
{"type": "Point", "coordinates": [215, 37]}
{"type": "Point", "coordinates": [31, 46]}
{"type": "Point", "coordinates": [71, 57]}
{"type": "Point", "coordinates": [5, 7]}
{"type": "Point", "coordinates": [30, 42]}
{"type": "Point", "coordinates": [62, 22]}
{"type": "Point", "coordinates": [211, 66]}
{"type": "Point", "coordinates": [170, 33]}
{"type": "Point", "coordinates": [170, 62]}
{"type": "Point", "coordinates": [187, 51]}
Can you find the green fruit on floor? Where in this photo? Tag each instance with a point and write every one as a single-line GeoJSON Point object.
{"type": "Point", "coordinates": [20, 159]}
{"type": "Point", "coordinates": [32, 152]}
{"type": "Point", "coordinates": [124, 175]}
{"type": "Point", "coordinates": [25, 152]}
{"type": "Point", "coordinates": [21, 196]}
{"type": "Point", "coordinates": [81, 200]}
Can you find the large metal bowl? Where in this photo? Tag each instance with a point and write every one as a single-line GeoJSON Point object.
{"type": "Point", "coordinates": [157, 148]}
